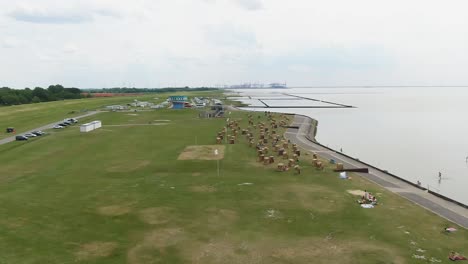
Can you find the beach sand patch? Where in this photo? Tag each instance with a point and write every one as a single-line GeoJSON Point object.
{"type": "Point", "coordinates": [202, 152]}
{"type": "Point", "coordinates": [95, 249]}
{"type": "Point", "coordinates": [156, 215]}
{"type": "Point", "coordinates": [356, 192]}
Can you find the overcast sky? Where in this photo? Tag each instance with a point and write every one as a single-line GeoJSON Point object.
{"type": "Point", "coordinates": [155, 43]}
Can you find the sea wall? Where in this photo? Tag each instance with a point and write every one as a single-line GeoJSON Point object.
{"type": "Point", "coordinates": [311, 136]}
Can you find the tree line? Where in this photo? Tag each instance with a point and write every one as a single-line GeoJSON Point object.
{"type": "Point", "coordinates": [147, 90]}
{"type": "Point", "coordinates": [9, 96]}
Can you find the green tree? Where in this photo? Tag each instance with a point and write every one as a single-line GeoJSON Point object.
{"type": "Point", "coordinates": [10, 99]}
{"type": "Point", "coordinates": [41, 93]}
{"type": "Point", "coordinates": [35, 99]}
{"type": "Point", "coordinates": [55, 89]}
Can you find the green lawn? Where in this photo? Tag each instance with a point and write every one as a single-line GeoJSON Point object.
{"type": "Point", "coordinates": [29, 116]}
{"type": "Point", "coordinates": [120, 195]}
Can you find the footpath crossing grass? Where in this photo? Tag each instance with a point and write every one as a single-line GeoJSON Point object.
{"type": "Point", "coordinates": [121, 194]}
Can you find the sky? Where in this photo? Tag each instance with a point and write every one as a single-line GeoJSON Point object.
{"type": "Point", "coordinates": [160, 43]}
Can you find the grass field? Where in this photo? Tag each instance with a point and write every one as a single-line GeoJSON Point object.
{"type": "Point", "coordinates": [121, 194]}
{"type": "Point", "coordinates": [29, 116]}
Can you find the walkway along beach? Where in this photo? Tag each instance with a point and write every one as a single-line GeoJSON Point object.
{"type": "Point", "coordinates": [304, 136]}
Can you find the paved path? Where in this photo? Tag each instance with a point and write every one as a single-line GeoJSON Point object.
{"type": "Point", "coordinates": [446, 209]}
{"type": "Point", "coordinates": [10, 139]}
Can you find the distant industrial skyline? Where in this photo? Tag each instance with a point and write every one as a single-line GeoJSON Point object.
{"type": "Point", "coordinates": [116, 43]}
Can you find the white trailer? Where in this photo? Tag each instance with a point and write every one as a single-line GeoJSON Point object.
{"type": "Point", "coordinates": [90, 126]}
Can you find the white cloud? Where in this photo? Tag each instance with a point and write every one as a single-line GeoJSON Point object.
{"type": "Point", "coordinates": [59, 14]}
{"type": "Point", "coordinates": [34, 14]}
{"type": "Point", "coordinates": [250, 4]}
{"type": "Point", "coordinates": [9, 42]}
{"type": "Point", "coordinates": [70, 49]}
{"type": "Point", "coordinates": [156, 42]}
{"type": "Point", "coordinates": [230, 36]}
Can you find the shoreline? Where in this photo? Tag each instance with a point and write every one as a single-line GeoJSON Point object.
{"type": "Point", "coordinates": [438, 204]}
{"type": "Point", "coordinates": [305, 128]}
{"type": "Point", "coordinates": [311, 137]}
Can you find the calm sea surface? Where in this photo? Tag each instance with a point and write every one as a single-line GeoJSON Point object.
{"type": "Point", "coordinates": [414, 133]}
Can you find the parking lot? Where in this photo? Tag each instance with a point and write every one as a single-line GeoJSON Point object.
{"type": "Point", "coordinates": [42, 128]}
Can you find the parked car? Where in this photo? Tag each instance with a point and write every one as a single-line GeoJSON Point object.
{"type": "Point", "coordinates": [30, 135]}
{"type": "Point", "coordinates": [19, 138]}
{"type": "Point", "coordinates": [38, 133]}
{"type": "Point", "coordinates": [63, 124]}
{"type": "Point", "coordinates": [68, 123]}
{"type": "Point", "coordinates": [71, 120]}
{"type": "Point", "coordinates": [58, 127]}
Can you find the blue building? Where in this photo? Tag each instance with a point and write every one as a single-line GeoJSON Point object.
{"type": "Point", "coordinates": [178, 98]}
{"type": "Point", "coordinates": [178, 105]}
{"type": "Point", "coordinates": [178, 101]}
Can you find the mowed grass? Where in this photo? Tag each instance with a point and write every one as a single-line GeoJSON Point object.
{"type": "Point", "coordinates": [120, 195]}
{"type": "Point", "coordinates": [30, 116]}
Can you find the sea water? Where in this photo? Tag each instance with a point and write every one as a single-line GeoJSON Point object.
{"type": "Point", "coordinates": [412, 132]}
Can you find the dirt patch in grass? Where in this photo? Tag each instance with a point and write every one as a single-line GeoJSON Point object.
{"type": "Point", "coordinates": [356, 192]}
{"type": "Point", "coordinates": [13, 223]}
{"type": "Point", "coordinates": [196, 174]}
{"type": "Point", "coordinates": [114, 210]}
{"type": "Point", "coordinates": [130, 166]}
{"type": "Point", "coordinates": [154, 240]}
{"type": "Point", "coordinates": [214, 220]}
{"type": "Point", "coordinates": [156, 215]}
{"type": "Point", "coordinates": [223, 217]}
{"type": "Point", "coordinates": [95, 250]}
{"type": "Point", "coordinates": [202, 152]}
{"type": "Point", "coordinates": [313, 250]}
{"type": "Point", "coordinates": [161, 174]}
{"type": "Point", "coordinates": [203, 189]}
{"type": "Point", "coordinates": [257, 164]}
{"type": "Point", "coordinates": [311, 197]}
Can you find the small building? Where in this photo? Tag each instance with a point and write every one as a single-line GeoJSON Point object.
{"type": "Point", "coordinates": [178, 98]}
{"type": "Point", "coordinates": [141, 104]}
{"type": "Point", "coordinates": [178, 105]}
{"type": "Point", "coordinates": [90, 126]}
{"type": "Point", "coordinates": [116, 107]}
{"type": "Point", "coordinates": [179, 101]}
